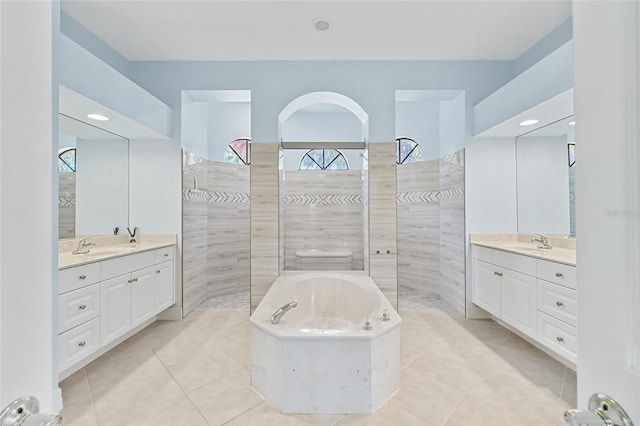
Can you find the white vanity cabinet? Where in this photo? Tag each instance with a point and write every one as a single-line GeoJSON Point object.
{"type": "Point", "coordinates": [504, 287]}
{"type": "Point", "coordinates": [534, 296]}
{"type": "Point", "coordinates": [101, 302]}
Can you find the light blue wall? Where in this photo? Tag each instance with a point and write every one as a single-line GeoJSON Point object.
{"type": "Point", "coordinates": [85, 38]}
{"type": "Point", "coordinates": [556, 38]}
{"type": "Point", "coordinates": [420, 121]}
{"type": "Point", "coordinates": [305, 126]}
{"type": "Point", "coordinates": [274, 84]}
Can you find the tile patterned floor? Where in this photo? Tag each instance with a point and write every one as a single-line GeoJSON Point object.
{"type": "Point", "coordinates": [455, 372]}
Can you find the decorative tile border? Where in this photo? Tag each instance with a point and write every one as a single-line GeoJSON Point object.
{"type": "Point", "coordinates": [67, 201]}
{"type": "Point", "coordinates": [323, 199]}
{"type": "Point", "coordinates": [201, 196]}
{"type": "Point", "coordinates": [431, 196]}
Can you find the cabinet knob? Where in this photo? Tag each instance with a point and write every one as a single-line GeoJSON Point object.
{"type": "Point", "coordinates": [498, 274]}
{"type": "Point", "coordinates": [83, 277]}
{"type": "Point", "coordinates": [158, 271]}
{"type": "Point", "coordinates": [559, 303]}
{"type": "Point", "coordinates": [166, 255]}
{"type": "Point", "coordinates": [133, 280]}
{"type": "Point", "coordinates": [82, 343]}
{"type": "Point", "coordinates": [559, 275]}
{"type": "Point", "coordinates": [83, 306]}
{"type": "Point", "coordinates": [559, 339]}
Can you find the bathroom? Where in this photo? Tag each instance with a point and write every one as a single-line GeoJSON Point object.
{"type": "Point", "coordinates": [155, 193]}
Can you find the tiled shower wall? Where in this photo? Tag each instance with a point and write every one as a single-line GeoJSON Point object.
{"type": "Point", "coordinates": [66, 205]}
{"type": "Point", "coordinates": [431, 255]}
{"type": "Point", "coordinates": [323, 211]}
{"type": "Point", "coordinates": [452, 237]}
{"type": "Point", "coordinates": [216, 256]}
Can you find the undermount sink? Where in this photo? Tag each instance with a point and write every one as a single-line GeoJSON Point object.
{"type": "Point", "coordinates": [531, 248]}
{"type": "Point", "coordinates": [108, 250]}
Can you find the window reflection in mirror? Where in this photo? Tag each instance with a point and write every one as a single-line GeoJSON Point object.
{"type": "Point", "coordinates": [546, 179]}
{"type": "Point", "coordinates": [93, 179]}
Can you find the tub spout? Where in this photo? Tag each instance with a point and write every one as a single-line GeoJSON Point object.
{"type": "Point", "coordinates": [275, 318]}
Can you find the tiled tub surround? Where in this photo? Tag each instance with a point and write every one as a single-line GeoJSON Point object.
{"type": "Point", "coordinates": [323, 211]}
{"type": "Point", "coordinates": [431, 230]}
{"type": "Point", "coordinates": [318, 358]}
{"type": "Point", "coordinates": [265, 219]}
{"type": "Point", "coordinates": [530, 290]}
{"type": "Point", "coordinates": [383, 255]}
{"type": "Point", "coordinates": [110, 293]}
{"type": "Point", "coordinates": [66, 205]}
{"type": "Point", "coordinates": [216, 244]}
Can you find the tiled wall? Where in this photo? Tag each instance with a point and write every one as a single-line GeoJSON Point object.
{"type": "Point", "coordinates": [452, 237]}
{"type": "Point", "coordinates": [572, 200]}
{"type": "Point", "coordinates": [215, 229]}
{"type": "Point", "coordinates": [419, 227]}
{"type": "Point", "coordinates": [265, 183]}
{"type": "Point", "coordinates": [323, 211]}
{"type": "Point", "coordinates": [194, 231]}
{"type": "Point", "coordinates": [382, 219]}
{"type": "Point", "coordinates": [228, 257]}
{"type": "Point", "coordinates": [66, 205]}
{"type": "Point", "coordinates": [431, 255]}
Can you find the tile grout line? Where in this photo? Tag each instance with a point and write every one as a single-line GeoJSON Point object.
{"type": "Point", "coordinates": [455, 407]}
{"type": "Point", "coordinates": [180, 386]}
{"type": "Point", "coordinates": [245, 411]}
{"type": "Point", "coordinates": [93, 404]}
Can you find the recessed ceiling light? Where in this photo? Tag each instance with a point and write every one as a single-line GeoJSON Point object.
{"type": "Point", "coordinates": [572, 123]}
{"type": "Point", "coordinates": [529, 122]}
{"type": "Point", "coordinates": [98, 117]}
{"type": "Point", "coordinates": [321, 24]}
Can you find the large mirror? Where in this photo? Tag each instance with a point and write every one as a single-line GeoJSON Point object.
{"type": "Point", "coordinates": [93, 177]}
{"type": "Point", "coordinates": [546, 179]}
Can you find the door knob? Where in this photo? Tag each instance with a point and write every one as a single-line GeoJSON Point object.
{"type": "Point", "coordinates": [603, 411]}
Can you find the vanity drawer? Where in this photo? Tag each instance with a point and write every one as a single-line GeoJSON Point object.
{"type": "Point", "coordinates": [558, 273]}
{"type": "Point", "coordinates": [81, 276]}
{"type": "Point", "coordinates": [78, 343]}
{"type": "Point", "coordinates": [515, 262]}
{"type": "Point", "coordinates": [163, 254]}
{"type": "Point", "coordinates": [557, 301]}
{"type": "Point", "coordinates": [78, 306]}
{"type": "Point", "coordinates": [126, 264]}
{"type": "Point", "coordinates": [558, 336]}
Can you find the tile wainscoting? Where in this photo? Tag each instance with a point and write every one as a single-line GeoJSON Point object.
{"type": "Point", "coordinates": [323, 211]}
{"type": "Point", "coordinates": [431, 229]}
{"type": "Point", "coordinates": [216, 205]}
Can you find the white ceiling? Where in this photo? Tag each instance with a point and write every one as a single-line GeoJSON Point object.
{"type": "Point", "coordinates": [283, 30]}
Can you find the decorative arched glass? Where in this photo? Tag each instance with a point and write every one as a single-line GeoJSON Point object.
{"type": "Point", "coordinates": [67, 160]}
{"type": "Point", "coordinates": [238, 152]}
{"type": "Point", "coordinates": [407, 151]}
{"type": "Point", "coordinates": [323, 159]}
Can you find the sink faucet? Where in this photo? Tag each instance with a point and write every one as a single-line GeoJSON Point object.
{"type": "Point", "coordinates": [82, 247]}
{"type": "Point", "coordinates": [275, 318]}
{"type": "Point", "coordinates": [543, 243]}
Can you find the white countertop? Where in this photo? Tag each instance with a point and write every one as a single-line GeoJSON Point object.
{"type": "Point", "coordinates": [109, 251]}
{"type": "Point", "coordinates": [563, 250]}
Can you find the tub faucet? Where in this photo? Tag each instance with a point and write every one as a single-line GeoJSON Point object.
{"type": "Point", "coordinates": [543, 243]}
{"type": "Point", "coordinates": [82, 247]}
{"type": "Point", "coordinates": [275, 318]}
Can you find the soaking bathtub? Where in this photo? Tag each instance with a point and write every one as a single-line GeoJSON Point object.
{"type": "Point", "coordinates": [321, 357]}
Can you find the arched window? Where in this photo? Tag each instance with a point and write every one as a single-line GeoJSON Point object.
{"type": "Point", "coordinates": [323, 159]}
{"type": "Point", "coordinates": [238, 152]}
{"type": "Point", "coordinates": [67, 160]}
{"type": "Point", "coordinates": [407, 151]}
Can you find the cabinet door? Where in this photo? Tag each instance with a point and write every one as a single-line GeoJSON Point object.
{"type": "Point", "coordinates": [518, 302]}
{"type": "Point", "coordinates": [164, 286]}
{"type": "Point", "coordinates": [115, 308]}
{"type": "Point", "coordinates": [486, 287]}
{"type": "Point", "coordinates": [143, 301]}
